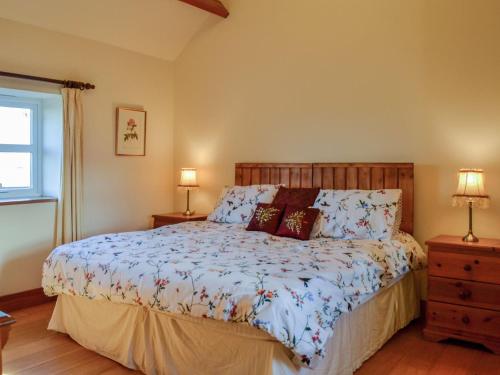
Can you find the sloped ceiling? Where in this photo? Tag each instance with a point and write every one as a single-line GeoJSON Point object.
{"type": "Point", "coordinates": [159, 28]}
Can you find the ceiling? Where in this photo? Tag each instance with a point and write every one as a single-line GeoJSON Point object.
{"type": "Point", "coordinates": [159, 28]}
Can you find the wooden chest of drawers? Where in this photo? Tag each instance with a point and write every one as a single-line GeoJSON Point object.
{"type": "Point", "coordinates": [175, 218]}
{"type": "Point", "coordinates": [464, 291]}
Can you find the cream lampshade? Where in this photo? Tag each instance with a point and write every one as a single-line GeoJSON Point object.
{"type": "Point", "coordinates": [188, 177]}
{"type": "Point", "coordinates": [471, 193]}
{"type": "Point", "coordinates": [188, 181]}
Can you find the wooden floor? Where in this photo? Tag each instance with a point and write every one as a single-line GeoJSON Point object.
{"type": "Point", "coordinates": [34, 350]}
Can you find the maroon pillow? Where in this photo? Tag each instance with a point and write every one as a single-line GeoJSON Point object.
{"type": "Point", "coordinates": [297, 222]}
{"type": "Point", "coordinates": [298, 197]}
{"type": "Point", "coordinates": [267, 217]}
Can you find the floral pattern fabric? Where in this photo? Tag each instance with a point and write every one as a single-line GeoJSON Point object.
{"type": "Point", "coordinates": [294, 290]}
{"type": "Point", "coordinates": [357, 214]}
{"type": "Point", "coordinates": [237, 204]}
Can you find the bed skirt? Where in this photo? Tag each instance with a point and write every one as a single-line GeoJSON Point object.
{"type": "Point", "coordinates": [164, 343]}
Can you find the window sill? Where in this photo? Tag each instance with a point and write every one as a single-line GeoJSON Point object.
{"type": "Point", "coordinates": [13, 201]}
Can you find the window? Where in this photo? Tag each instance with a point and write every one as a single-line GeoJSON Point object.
{"type": "Point", "coordinates": [20, 149]}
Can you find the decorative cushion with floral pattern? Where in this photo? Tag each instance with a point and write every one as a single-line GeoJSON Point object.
{"type": "Point", "coordinates": [237, 204]}
{"type": "Point", "coordinates": [267, 217]}
{"type": "Point", "coordinates": [297, 197]}
{"type": "Point", "coordinates": [297, 222]}
{"type": "Point", "coordinates": [357, 214]}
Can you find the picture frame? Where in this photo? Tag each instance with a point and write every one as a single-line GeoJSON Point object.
{"type": "Point", "coordinates": [130, 139]}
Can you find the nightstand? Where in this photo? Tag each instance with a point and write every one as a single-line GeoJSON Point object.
{"type": "Point", "coordinates": [5, 322]}
{"type": "Point", "coordinates": [175, 218]}
{"type": "Point", "coordinates": [464, 291]}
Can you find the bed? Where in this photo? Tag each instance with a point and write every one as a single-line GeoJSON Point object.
{"type": "Point", "coordinates": [209, 298]}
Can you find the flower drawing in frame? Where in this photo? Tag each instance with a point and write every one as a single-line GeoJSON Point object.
{"type": "Point", "coordinates": [130, 132]}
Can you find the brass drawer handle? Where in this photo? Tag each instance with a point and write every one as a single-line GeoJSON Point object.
{"type": "Point", "coordinates": [465, 319]}
{"type": "Point", "coordinates": [467, 267]}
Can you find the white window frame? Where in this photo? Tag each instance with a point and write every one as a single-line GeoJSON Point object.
{"type": "Point", "coordinates": [35, 148]}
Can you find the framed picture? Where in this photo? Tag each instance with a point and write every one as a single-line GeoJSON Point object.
{"type": "Point", "coordinates": [130, 132]}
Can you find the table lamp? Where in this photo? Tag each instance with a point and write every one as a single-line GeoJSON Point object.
{"type": "Point", "coordinates": [471, 193]}
{"type": "Point", "coordinates": [188, 181]}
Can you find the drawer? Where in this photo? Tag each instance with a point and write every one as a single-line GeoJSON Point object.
{"type": "Point", "coordinates": [170, 221]}
{"type": "Point", "coordinates": [464, 266]}
{"type": "Point", "coordinates": [159, 223]}
{"type": "Point", "coordinates": [464, 319]}
{"type": "Point", "coordinates": [463, 292]}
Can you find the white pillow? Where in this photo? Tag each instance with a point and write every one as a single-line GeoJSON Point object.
{"type": "Point", "coordinates": [238, 203]}
{"type": "Point", "coordinates": [357, 214]}
{"type": "Point", "coordinates": [399, 216]}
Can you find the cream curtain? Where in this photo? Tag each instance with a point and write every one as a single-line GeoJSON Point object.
{"type": "Point", "coordinates": [69, 208]}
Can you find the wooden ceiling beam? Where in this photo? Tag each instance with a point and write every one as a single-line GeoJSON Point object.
{"type": "Point", "coordinates": [212, 6]}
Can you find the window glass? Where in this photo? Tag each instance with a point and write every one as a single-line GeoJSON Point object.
{"type": "Point", "coordinates": [15, 125]}
{"type": "Point", "coordinates": [15, 169]}
{"type": "Point", "coordinates": [20, 150]}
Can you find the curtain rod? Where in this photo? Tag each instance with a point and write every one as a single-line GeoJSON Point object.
{"type": "Point", "coordinates": [65, 83]}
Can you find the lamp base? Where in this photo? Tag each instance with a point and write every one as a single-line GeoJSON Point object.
{"type": "Point", "coordinates": [469, 237]}
{"type": "Point", "coordinates": [188, 212]}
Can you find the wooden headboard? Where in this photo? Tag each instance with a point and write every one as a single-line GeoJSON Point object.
{"type": "Point", "coordinates": [343, 176]}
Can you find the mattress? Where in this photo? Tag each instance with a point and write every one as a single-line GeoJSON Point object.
{"type": "Point", "coordinates": [165, 343]}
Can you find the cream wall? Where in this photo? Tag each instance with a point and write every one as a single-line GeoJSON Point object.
{"type": "Point", "coordinates": [330, 80]}
{"type": "Point", "coordinates": [120, 193]}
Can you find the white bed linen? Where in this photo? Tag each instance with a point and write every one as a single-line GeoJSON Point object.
{"type": "Point", "coordinates": [164, 343]}
{"type": "Point", "coordinates": [293, 290]}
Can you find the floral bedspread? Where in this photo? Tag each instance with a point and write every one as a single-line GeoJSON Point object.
{"type": "Point", "coordinates": [294, 290]}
